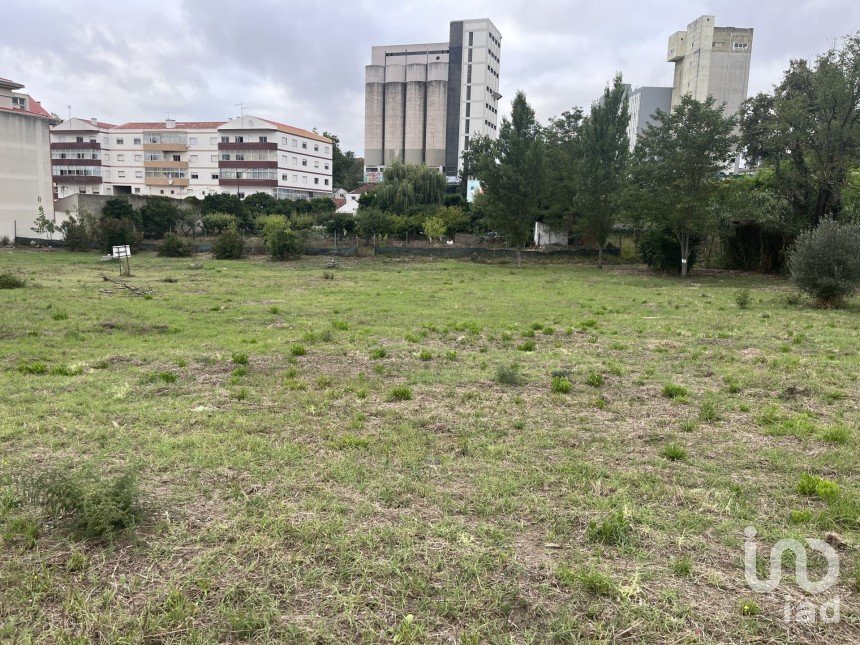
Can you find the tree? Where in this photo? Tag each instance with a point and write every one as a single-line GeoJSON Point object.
{"type": "Point", "coordinates": [228, 203]}
{"type": "Point", "coordinates": [808, 131]}
{"type": "Point", "coordinates": [512, 172]}
{"type": "Point", "coordinates": [408, 185]}
{"type": "Point", "coordinates": [158, 216]}
{"type": "Point", "coordinates": [599, 171]}
{"type": "Point", "coordinates": [43, 225]}
{"type": "Point", "coordinates": [682, 159]}
{"type": "Point", "coordinates": [347, 170]}
{"type": "Point", "coordinates": [435, 227]}
{"type": "Point", "coordinates": [118, 208]}
{"type": "Point", "coordinates": [825, 262]}
{"type": "Point", "coordinates": [371, 223]}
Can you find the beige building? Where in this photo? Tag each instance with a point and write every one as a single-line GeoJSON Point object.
{"type": "Point", "coordinates": [182, 159]}
{"type": "Point", "coordinates": [25, 161]}
{"type": "Point", "coordinates": [711, 61]}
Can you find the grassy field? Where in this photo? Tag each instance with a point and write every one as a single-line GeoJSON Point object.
{"type": "Point", "coordinates": [422, 451]}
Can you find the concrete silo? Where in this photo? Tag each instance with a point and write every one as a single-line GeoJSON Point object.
{"type": "Point", "coordinates": [413, 145]}
{"type": "Point", "coordinates": [374, 113]}
{"type": "Point", "coordinates": [436, 114]}
{"type": "Point", "coordinates": [395, 113]}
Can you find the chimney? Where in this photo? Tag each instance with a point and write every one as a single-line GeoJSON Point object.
{"type": "Point", "coordinates": [170, 123]}
{"type": "Point", "coordinates": [94, 121]}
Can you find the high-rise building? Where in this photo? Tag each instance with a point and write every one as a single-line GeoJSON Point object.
{"type": "Point", "coordinates": [642, 104]}
{"type": "Point", "coordinates": [25, 161]}
{"type": "Point", "coordinates": [190, 158]}
{"type": "Point", "coordinates": [424, 102]}
{"type": "Point", "coordinates": [711, 61]}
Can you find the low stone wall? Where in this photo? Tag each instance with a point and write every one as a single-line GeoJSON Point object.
{"type": "Point", "coordinates": [472, 252]}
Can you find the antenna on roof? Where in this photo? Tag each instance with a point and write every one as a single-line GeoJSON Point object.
{"type": "Point", "coordinates": [241, 107]}
{"type": "Point", "coordinates": [69, 107]}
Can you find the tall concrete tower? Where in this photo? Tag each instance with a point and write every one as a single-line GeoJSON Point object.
{"type": "Point", "coordinates": [424, 102]}
{"type": "Point", "coordinates": [711, 61]}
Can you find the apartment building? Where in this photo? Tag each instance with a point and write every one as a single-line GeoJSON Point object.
{"type": "Point", "coordinates": [424, 102]}
{"type": "Point", "coordinates": [192, 158]}
{"type": "Point", "coordinates": [642, 105]}
{"type": "Point", "coordinates": [25, 160]}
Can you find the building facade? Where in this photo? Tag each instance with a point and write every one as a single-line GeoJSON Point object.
{"type": "Point", "coordinates": [711, 61]}
{"type": "Point", "coordinates": [642, 105]}
{"type": "Point", "coordinates": [424, 102]}
{"type": "Point", "coordinates": [191, 158]}
{"type": "Point", "coordinates": [25, 161]}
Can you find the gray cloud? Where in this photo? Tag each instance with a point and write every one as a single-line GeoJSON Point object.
{"type": "Point", "coordinates": [302, 61]}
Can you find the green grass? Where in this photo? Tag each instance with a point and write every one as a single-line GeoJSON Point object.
{"type": "Point", "coordinates": [328, 490]}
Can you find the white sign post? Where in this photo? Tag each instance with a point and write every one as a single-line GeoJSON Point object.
{"type": "Point", "coordinates": [123, 253]}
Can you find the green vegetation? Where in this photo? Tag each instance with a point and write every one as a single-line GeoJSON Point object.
{"type": "Point", "coordinates": [291, 450]}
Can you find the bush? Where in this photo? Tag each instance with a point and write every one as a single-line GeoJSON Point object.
{"type": "Point", "coordinates": [674, 452]}
{"type": "Point", "coordinates": [158, 216]}
{"type": "Point", "coordinates": [9, 281]}
{"type": "Point", "coordinates": [216, 223]}
{"type": "Point", "coordinates": [561, 385]}
{"type": "Point", "coordinates": [660, 250]}
{"type": "Point", "coordinates": [378, 353]}
{"type": "Point", "coordinates": [81, 232]}
{"type": "Point", "coordinates": [509, 375]}
{"type": "Point", "coordinates": [672, 391]}
{"type": "Point", "coordinates": [117, 232]}
{"type": "Point", "coordinates": [229, 245]}
{"type": "Point", "coordinates": [174, 246]}
{"type": "Point", "coordinates": [825, 262]}
{"type": "Point", "coordinates": [95, 505]}
{"type": "Point", "coordinates": [614, 530]}
{"type": "Point", "coordinates": [282, 242]}
{"type": "Point", "coordinates": [4, 241]}
{"type": "Point", "coordinates": [400, 393]}
{"type": "Point", "coordinates": [742, 298]}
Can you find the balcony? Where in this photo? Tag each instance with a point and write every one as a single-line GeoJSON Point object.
{"type": "Point", "coordinates": [76, 162]}
{"type": "Point", "coordinates": [77, 179]}
{"type": "Point", "coordinates": [75, 145]}
{"type": "Point", "coordinates": [247, 164]}
{"type": "Point", "coordinates": [248, 182]}
{"type": "Point", "coordinates": [166, 181]}
{"type": "Point", "coordinates": [166, 164]}
{"type": "Point", "coordinates": [248, 145]}
{"type": "Point", "coordinates": [166, 147]}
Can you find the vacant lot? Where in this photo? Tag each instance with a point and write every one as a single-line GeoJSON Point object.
{"type": "Point", "coordinates": [422, 451]}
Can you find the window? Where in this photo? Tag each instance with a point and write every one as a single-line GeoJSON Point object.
{"type": "Point", "coordinates": [326, 166]}
{"type": "Point", "coordinates": [82, 191]}
{"type": "Point", "coordinates": [295, 161]}
{"type": "Point", "coordinates": [316, 147]}
{"type": "Point", "coordinates": [316, 180]}
{"type": "Point", "coordinates": [136, 141]}
{"type": "Point", "coordinates": [295, 179]}
{"type": "Point", "coordinates": [138, 157]}
{"type": "Point", "coordinates": [239, 139]}
{"type": "Point", "coordinates": [176, 158]}
{"type": "Point", "coordinates": [120, 157]}
{"type": "Point", "coordinates": [121, 174]}
{"type": "Point", "coordinates": [137, 190]}
{"type": "Point", "coordinates": [105, 140]}
{"type": "Point", "coordinates": [120, 142]}
{"type": "Point", "coordinates": [193, 175]}
{"type": "Point", "coordinates": [95, 191]}
{"type": "Point", "coordinates": [316, 164]}
{"type": "Point", "coordinates": [295, 143]}
{"type": "Point", "coordinates": [241, 195]}
{"type": "Point", "coordinates": [192, 141]}
{"type": "Point", "coordinates": [737, 46]}
{"type": "Point", "coordinates": [304, 145]}
{"type": "Point", "coordinates": [471, 38]}
{"type": "Point", "coordinates": [225, 139]}
{"type": "Point", "coordinates": [193, 158]}
{"type": "Point", "coordinates": [304, 180]}
{"type": "Point", "coordinates": [283, 178]}
{"type": "Point", "coordinates": [304, 162]}
{"type": "Point", "coordinates": [469, 74]}
{"type": "Point", "coordinates": [225, 156]}
{"type": "Point", "coordinates": [107, 156]}
{"type": "Point", "coordinates": [214, 175]}
{"type": "Point", "coordinates": [240, 156]}
{"type": "Point", "coordinates": [326, 182]}
{"type": "Point", "coordinates": [284, 141]}
{"type": "Point", "coordinates": [327, 150]}
{"type": "Point", "coordinates": [469, 93]}
{"type": "Point", "coordinates": [138, 174]}
{"type": "Point", "coordinates": [264, 139]}
{"type": "Point", "coordinates": [468, 110]}
{"type": "Point", "coordinates": [92, 139]}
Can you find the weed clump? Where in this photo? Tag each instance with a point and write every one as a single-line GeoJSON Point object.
{"type": "Point", "coordinates": [378, 353]}
{"type": "Point", "coordinates": [240, 359]}
{"type": "Point", "coordinates": [297, 350]}
{"type": "Point", "coordinates": [528, 346]}
{"type": "Point", "coordinates": [509, 375]}
{"type": "Point", "coordinates": [595, 379]}
{"type": "Point", "coordinates": [814, 486]}
{"type": "Point", "coordinates": [9, 281]}
{"type": "Point", "coordinates": [400, 393]}
{"type": "Point", "coordinates": [672, 391]}
{"type": "Point", "coordinates": [561, 385]}
{"type": "Point", "coordinates": [674, 452]}
{"type": "Point", "coordinates": [614, 530]}
{"type": "Point", "coordinates": [95, 505]}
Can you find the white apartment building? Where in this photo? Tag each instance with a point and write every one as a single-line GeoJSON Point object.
{"type": "Point", "coordinates": [191, 158]}
{"type": "Point", "coordinates": [25, 161]}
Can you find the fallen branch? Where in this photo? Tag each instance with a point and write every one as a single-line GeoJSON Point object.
{"type": "Point", "coordinates": [137, 291]}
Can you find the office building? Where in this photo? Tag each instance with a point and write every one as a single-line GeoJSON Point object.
{"type": "Point", "coordinates": [424, 102]}
{"type": "Point", "coordinates": [642, 105]}
{"type": "Point", "coordinates": [711, 61]}
{"type": "Point", "coordinates": [191, 158]}
{"type": "Point", "coordinates": [25, 161]}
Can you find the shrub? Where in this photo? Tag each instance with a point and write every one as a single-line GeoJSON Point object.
{"type": "Point", "coordinates": [425, 355]}
{"type": "Point", "coordinates": [158, 216]}
{"type": "Point", "coordinates": [614, 530]}
{"type": "Point", "coordinates": [96, 505]}
{"type": "Point", "coordinates": [327, 275]}
{"type": "Point", "coordinates": [174, 246]}
{"type": "Point", "coordinates": [509, 375]}
{"type": "Point", "coordinates": [229, 245]}
{"type": "Point", "coordinates": [378, 353]}
{"type": "Point", "coordinates": [683, 567]}
{"type": "Point", "coordinates": [240, 359]}
{"type": "Point", "coordinates": [825, 262]}
{"type": "Point", "coordinates": [216, 223]}
{"type": "Point", "coordinates": [117, 232]}
{"type": "Point", "coordinates": [742, 298]}
{"type": "Point", "coordinates": [400, 393]}
{"type": "Point", "coordinates": [80, 233]}
{"type": "Point", "coordinates": [33, 368]}
{"type": "Point", "coordinates": [528, 346]}
{"type": "Point", "coordinates": [9, 281]}
{"type": "Point", "coordinates": [561, 385]}
{"type": "Point", "coordinates": [5, 241]}
{"type": "Point", "coordinates": [660, 250]}
{"type": "Point", "coordinates": [814, 486]}
{"type": "Point", "coordinates": [709, 412]}
{"type": "Point", "coordinates": [282, 242]}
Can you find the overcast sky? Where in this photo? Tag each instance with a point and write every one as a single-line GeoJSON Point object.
{"type": "Point", "coordinates": [302, 61]}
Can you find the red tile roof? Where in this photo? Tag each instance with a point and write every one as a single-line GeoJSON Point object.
{"type": "Point", "coordinates": [36, 107]}
{"type": "Point", "coordinates": [180, 125]}
{"type": "Point", "coordinates": [299, 132]}
{"type": "Point", "coordinates": [339, 201]}
{"type": "Point", "coordinates": [363, 189]}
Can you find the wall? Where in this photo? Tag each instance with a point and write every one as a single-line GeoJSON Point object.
{"type": "Point", "coordinates": [25, 172]}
